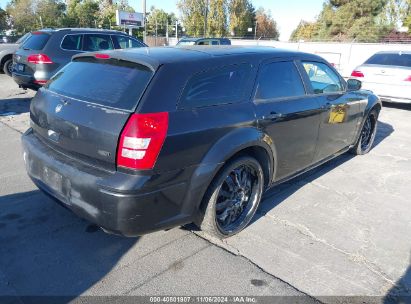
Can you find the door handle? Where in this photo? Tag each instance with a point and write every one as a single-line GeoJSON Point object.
{"type": "Point", "coordinates": [273, 116]}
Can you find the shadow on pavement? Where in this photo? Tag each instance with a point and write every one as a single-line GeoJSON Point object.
{"type": "Point", "coordinates": [278, 194]}
{"type": "Point", "coordinates": [14, 106]}
{"type": "Point", "coordinates": [401, 106]}
{"type": "Point", "coordinates": [401, 292]}
{"type": "Point", "coordinates": [47, 251]}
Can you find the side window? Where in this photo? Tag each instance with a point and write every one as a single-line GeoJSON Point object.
{"type": "Point", "coordinates": [217, 86]}
{"type": "Point", "coordinates": [214, 42]}
{"type": "Point", "coordinates": [72, 43]}
{"type": "Point", "coordinates": [279, 80]}
{"type": "Point", "coordinates": [124, 42]}
{"type": "Point", "coordinates": [97, 42]}
{"type": "Point", "coordinates": [323, 79]}
{"type": "Point", "coordinates": [204, 42]}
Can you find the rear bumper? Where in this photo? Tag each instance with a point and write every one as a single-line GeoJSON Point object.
{"type": "Point", "coordinates": [389, 92]}
{"type": "Point", "coordinates": [25, 81]}
{"type": "Point", "coordinates": [121, 203]}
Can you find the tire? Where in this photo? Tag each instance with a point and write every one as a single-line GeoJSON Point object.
{"type": "Point", "coordinates": [7, 67]}
{"type": "Point", "coordinates": [367, 135]}
{"type": "Point", "coordinates": [242, 196]}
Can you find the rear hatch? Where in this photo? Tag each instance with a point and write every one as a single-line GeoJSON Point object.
{"type": "Point", "coordinates": [32, 46]}
{"type": "Point", "coordinates": [387, 74]}
{"type": "Point", "coordinates": [84, 107]}
{"type": "Point", "coordinates": [387, 68]}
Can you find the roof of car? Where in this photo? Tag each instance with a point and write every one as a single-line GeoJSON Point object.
{"type": "Point", "coordinates": [395, 52]}
{"type": "Point", "coordinates": [202, 38]}
{"type": "Point", "coordinates": [72, 29]}
{"type": "Point", "coordinates": [154, 57]}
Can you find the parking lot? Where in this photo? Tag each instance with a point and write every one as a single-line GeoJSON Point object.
{"type": "Point", "coordinates": [341, 230]}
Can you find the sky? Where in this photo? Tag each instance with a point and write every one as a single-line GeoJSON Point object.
{"type": "Point", "coordinates": [287, 13]}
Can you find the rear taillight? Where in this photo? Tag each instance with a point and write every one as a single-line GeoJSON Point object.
{"type": "Point", "coordinates": [39, 59]}
{"type": "Point", "coordinates": [141, 140]}
{"type": "Point", "coordinates": [408, 78]}
{"type": "Point", "coordinates": [40, 82]}
{"type": "Point", "coordinates": [357, 74]}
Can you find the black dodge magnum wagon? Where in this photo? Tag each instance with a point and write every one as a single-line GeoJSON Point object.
{"type": "Point", "coordinates": [148, 139]}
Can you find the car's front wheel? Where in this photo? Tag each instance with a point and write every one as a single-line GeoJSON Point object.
{"type": "Point", "coordinates": [233, 197]}
{"type": "Point", "coordinates": [367, 135]}
{"type": "Point", "coordinates": [8, 67]}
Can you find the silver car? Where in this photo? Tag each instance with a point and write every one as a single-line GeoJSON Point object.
{"type": "Point", "coordinates": [388, 75]}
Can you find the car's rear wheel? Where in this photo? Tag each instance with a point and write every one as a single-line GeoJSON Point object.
{"type": "Point", "coordinates": [8, 67]}
{"type": "Point", "coordinates": [367, 135]}
{"type": "Point", "coordinates": [233, 197]}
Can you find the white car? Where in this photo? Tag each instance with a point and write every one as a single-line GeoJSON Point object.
{"type": "Point", "coordinates": [388, 75]}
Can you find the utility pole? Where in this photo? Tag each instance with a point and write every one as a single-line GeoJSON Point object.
{"type": "Point", "coordinates": [255, 33]}
{"type": "Point", "coordinates": [177, 30]}
{"type": "Point", "coordinates": [156, 31]}
{"type": "Point", "coordinates": [205, 18]}
{"type": "Point", "coordinates": [144, 4]}
{"type": "Point", "coordinates": [167, 33]}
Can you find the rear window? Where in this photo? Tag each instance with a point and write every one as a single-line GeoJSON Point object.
{"type": "Point", "coordinates": [36, 41]}
{"type": "Point", "coordinates": [113, 83]}
{"type": "Point", "coordinates": [398, 59]}
{"type": "Point", "coordinates": [218, 86]}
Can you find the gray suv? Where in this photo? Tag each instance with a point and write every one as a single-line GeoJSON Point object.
{"type": "Point", "coordinates": [48, 50]}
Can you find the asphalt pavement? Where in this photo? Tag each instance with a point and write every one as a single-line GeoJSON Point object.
{"type": "Point", "coordinates": [340, 230]}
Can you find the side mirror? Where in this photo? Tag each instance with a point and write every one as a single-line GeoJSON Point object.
{"type": "Point", "coordinates": [353, 85]}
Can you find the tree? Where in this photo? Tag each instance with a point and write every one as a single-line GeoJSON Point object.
{"type": "Point", "coordinates": [242, 17]}
{"type": "Point", "coordinates": [22, 15]}
{"type": "Point", "coordinates": [266, 25]}
{"type": "Point", "coordinates": [3, 20]}
{"type": "Point", "coordinates": [157, 22]}
{"type": "Point", "coordinates": [396, 11]}
{"type": "Point", "coordinates": [193, 13]}
{"type": "Point", "coordinates": [87, 13]}
{"type": "Point", "coordinates": [51, 12]}
{"type": "Point", "coordinates": [217, 18]}
{"type": "Point", "coordinates": [304, 31]}
{"type": "Point", "coordinates": [360, 20]}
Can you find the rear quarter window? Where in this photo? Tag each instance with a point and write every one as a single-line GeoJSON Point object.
{"type": "Point", "coordinates": [72, 42]}
{"type": "Point", "coordinates": [217, 86]}
{"type": "Point", "coordinates": [397, 59]}
{"type": "Point", "coordinates": [114, 83]}
{"type": "Point", "coordinates": [37, 41]}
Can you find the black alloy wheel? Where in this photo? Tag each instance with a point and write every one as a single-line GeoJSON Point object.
{"type": "Point", "coordinates": [233, 197]}
{"type": "Point", "coordinates": [367, 135]}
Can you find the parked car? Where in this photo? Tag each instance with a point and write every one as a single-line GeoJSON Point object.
{"type": "Point", "coordinates": [6, 54]}
{"type": "Point", "coordinates": [137, 141]}
{"type": "Point", "coordinates": [387, 74]}
{"type": "Point", "coordinates": [204, 41]}
{"type": "Point", "coordinates": [48, 50]}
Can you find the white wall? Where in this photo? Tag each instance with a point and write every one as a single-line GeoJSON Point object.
{"type": "Point", "coordinates": [345, 56]}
